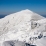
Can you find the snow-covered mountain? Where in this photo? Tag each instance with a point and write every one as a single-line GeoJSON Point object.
{"type": "Point", "coordinates": [18, 26]}
{"type": "Point", "coordinates": [18, 21]}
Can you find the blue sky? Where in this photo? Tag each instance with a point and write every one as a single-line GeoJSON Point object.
{"type": "Point", "coordinates": [11, 6]}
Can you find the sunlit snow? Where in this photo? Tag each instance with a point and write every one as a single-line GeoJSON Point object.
{"type": "Point", "coordinates": [25, 26]}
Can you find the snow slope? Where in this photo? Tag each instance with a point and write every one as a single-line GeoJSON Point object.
{"type": "Point", "coordinates": [42, 24]}
{"type": "Point", "coordinates": [42, 21]}
{"type": "Point", "coordinates": [18, 21]}
{"type": "Point", "coordinates": [17, 26]}
{"type": "Point", "coordinates": [41, 42]}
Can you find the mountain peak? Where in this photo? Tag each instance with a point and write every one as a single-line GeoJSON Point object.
{"type": "Point", "coordinates": [26, 11]}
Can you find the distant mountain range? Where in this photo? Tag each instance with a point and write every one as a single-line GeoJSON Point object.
{"type": "Point", "coordinates": [44, 15]}
{"type": "Point", "coordinates": [1, 16]}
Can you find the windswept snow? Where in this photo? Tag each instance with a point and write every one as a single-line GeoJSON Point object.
{"type": "Point", "coordinates": [21, 26]}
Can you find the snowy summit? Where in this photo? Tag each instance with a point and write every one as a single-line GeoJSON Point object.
{"type": "Point", "coordinates": [15, 20]}
{"type": "Point", "coordinates": [20, 26]}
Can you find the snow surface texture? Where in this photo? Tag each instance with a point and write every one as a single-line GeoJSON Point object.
{"type": "Point", "coordinates": [20, 26]}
